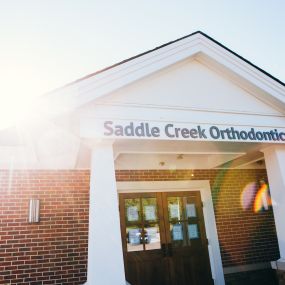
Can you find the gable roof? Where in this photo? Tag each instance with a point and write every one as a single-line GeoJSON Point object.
{"type": "Point", "coordinates": [167, 44]}
{"type": "Point", "coordinates": [93, 86]}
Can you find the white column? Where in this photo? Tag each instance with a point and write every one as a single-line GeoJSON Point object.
{"type": "Point", "coordinates": [105, 256]}
{"type": "Point", "coordinates": [275, 165]}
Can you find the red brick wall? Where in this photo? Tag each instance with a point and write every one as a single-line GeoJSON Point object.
{"type": "Point", "coordinates": [55, 250]}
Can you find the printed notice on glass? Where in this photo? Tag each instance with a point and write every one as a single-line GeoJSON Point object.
{"type": "Point", "coordinates": [149, 213]}
{"type": "Point", "coordinates": [190, 210]}
{"type": "Point", "coordinates": [177, 233]}
{"type": "Point", "coordinates": [174, 211]}
{"type": "Point", "coordinates": [133, 213]}
{"type": "Point", "coordinates": [134, 236]}
{"type": "Point", "coordinates": [193, 231]}
{"type": "Point", "coordinates": [152, 233]}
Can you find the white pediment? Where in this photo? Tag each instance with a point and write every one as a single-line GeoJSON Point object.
{"type": "Point", "coordinates": [175, 74]}
{"type": "Point", "coordinates": [190, 84]}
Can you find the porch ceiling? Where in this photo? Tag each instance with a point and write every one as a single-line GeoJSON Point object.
{"type": "Point", "coordinates": [149, 154]}
{"type": "Point", "coordinates": [183, 155]}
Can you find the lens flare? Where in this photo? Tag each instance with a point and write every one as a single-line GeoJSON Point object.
{"type": "Point", "coordinates": [247, 195]}
{"type": "Point", "coordinates": [262, 199]}
{"type": "Point", "coordinates": [258, 199]}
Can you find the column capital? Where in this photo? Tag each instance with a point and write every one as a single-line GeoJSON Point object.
{"type": "Point", "coordinates": [276, 147]}
{"type": "Point", "coordinates": [95, 143]}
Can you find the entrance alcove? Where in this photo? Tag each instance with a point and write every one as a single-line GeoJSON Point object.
{"type": "Point", "coordinates": [227, 170]}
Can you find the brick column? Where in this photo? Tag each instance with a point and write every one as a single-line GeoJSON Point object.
{"type": "Point", "coordinates": [105, 256]}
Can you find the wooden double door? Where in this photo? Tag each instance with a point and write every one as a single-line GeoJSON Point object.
{"type": "Point", "coordinates": [164, 240]}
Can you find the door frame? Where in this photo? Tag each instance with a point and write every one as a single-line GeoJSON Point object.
{"type": "Point", "coordinates": [208, 210]}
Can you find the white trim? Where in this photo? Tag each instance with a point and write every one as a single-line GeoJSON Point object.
{"type": "Point", "coordinates": [174, 152]}
{"type": "Point", "coordinates": [84, 91]}
{"type": "Point", "coordinates": [187, 108]}
{"type": "Point", "coordinates": [208, 210]}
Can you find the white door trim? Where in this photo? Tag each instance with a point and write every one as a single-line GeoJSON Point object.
{"type": "Point", "coordinates": [208, 210]}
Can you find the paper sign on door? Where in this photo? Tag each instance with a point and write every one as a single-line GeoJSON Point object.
{"type": "Point", "coordinates": [149, 213]}
{"type": "Point", "coordinates": [177, 232]}
{"type": "Point", "coordinates": [190, 210]}
{"type": "Point", "coordinates": [174, 211]}
{"type": "Point", "coordinates": [134, 236]}
{"type": "Point", "coordinates": [133, 213]}
{"type": "Point", "coordinates": [193, 231]}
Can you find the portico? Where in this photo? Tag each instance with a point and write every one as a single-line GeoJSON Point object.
{"type": "Point", "coordinates": [209, 126]}
{"type": "Point", "coordinates": [144, 157]}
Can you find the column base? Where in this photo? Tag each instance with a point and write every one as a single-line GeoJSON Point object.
{"type": "Point", "coordinates": [279, 266]}
{"type": "Point", "coordinates": [127, 283]}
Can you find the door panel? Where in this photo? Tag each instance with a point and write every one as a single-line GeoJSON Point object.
{"type": "Point", "coordinates": [186, 238]}
{"type": "Point", "coordinates": [164, 239]}
{"type": "Point", "coordinates": [143, 238]}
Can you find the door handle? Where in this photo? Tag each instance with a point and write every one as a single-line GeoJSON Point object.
{"type": "Point", "coordinates": [164, 249]}
{"type": "Point", "coordinates": [170, 252]}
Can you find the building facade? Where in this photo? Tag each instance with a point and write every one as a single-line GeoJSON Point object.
{"type": "Point", "coordinates": [167, 168]}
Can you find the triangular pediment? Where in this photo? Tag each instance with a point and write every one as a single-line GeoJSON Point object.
{"type": "Point", "coordinates": [190, 85]}
{"type": "Point", "coordinates": [210, 76]}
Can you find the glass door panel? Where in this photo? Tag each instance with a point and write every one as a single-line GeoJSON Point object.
{"type": "Point", "coordinates": [177, 221]}
{"type": "Point", "coordinates": [151, 223]}
{"type": "Point", "coordinates": [142, 223]}
{"type": "Point", "coordinates": [134, 238]}
{"type": "Point", "coordinates": [183, 219]}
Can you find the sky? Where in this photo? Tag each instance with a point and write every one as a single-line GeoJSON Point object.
{"type": "Point", "coordinates": [45, 44]}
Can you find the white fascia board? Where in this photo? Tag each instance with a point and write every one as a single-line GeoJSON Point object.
{"type": "Point", "coordinates": [89, 89]}
{"type": "Point", "coordinates": [180, 115]}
